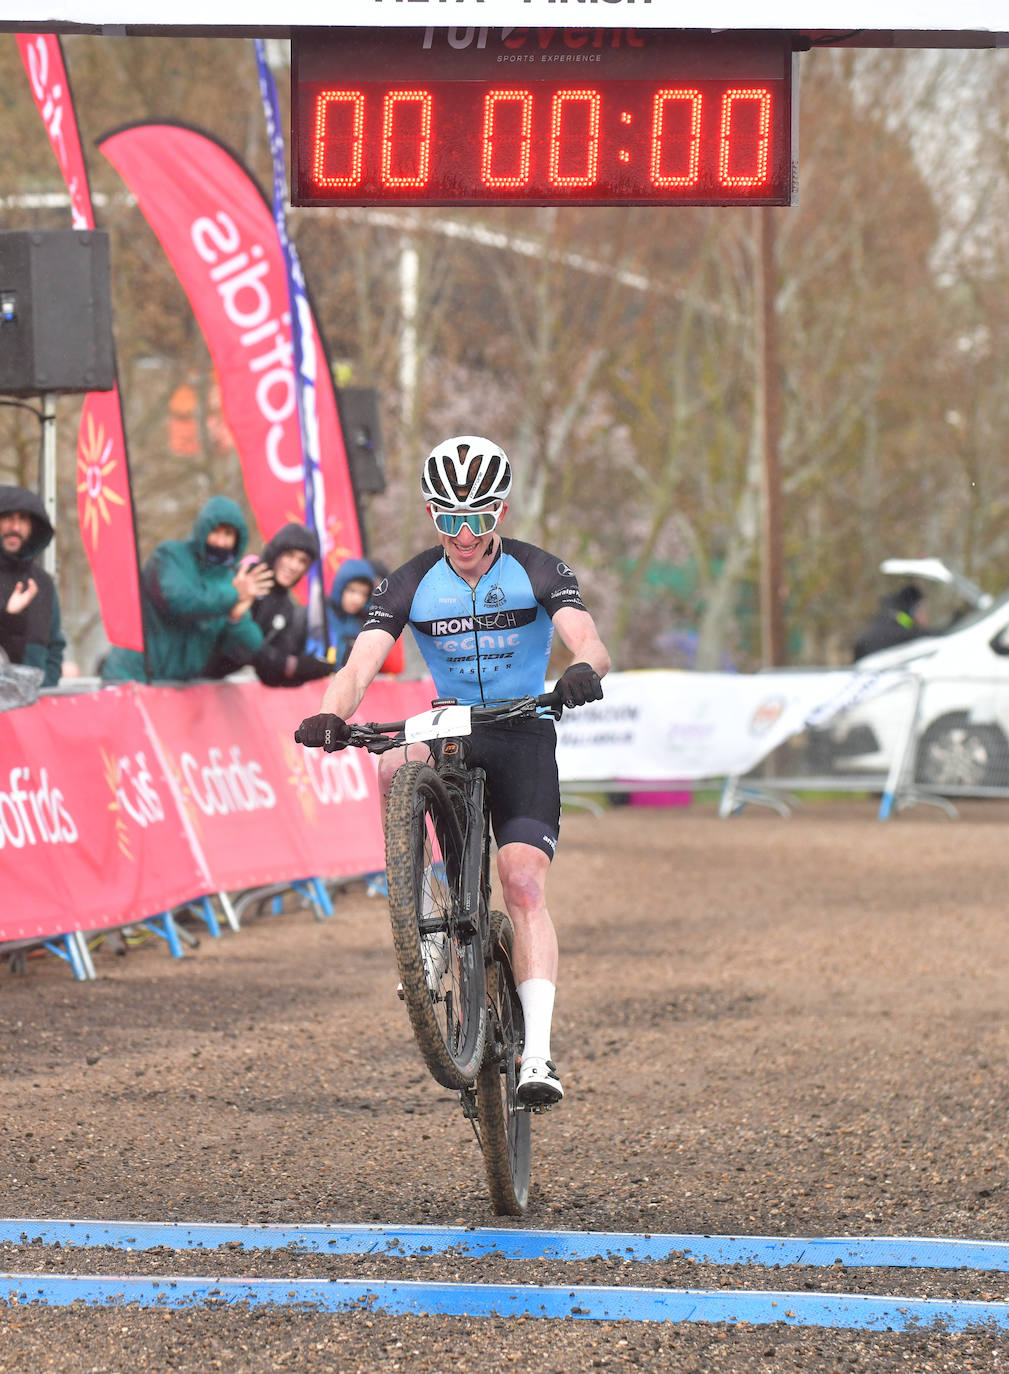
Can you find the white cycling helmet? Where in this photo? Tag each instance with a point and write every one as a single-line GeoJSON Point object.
{"type": "Point", "coordinates": [466, 473]}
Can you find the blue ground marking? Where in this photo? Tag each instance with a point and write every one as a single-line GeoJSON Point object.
{"type": "Point", "coordinates": [839, 1310]}
{"type": "Point", "coordinates": [900, 1252]}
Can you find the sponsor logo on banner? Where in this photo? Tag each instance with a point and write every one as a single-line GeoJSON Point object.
{"type": "Point", "coordinates": [33, 813]}
{"type": "Point", "coordinates": [220, 786]}
{"type": "Point", "coordinates": [325, 779]}
{"type": "Point", "coordinates": [43, 60]}
{"type": "Point", "coordinates": [96, 469]}
{"type": "Point", "coordinates": [254, 304]}
{"type": "Point", "coordinates": [134, 794]}
{"type": "Point", "coordinates": [767, 715]}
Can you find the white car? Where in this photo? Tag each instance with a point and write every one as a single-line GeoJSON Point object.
{"type": "Point", "coordinates": [961, 679]}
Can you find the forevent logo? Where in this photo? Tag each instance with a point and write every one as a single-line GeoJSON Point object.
{"type": "Point", "coordinates": [767, 715]}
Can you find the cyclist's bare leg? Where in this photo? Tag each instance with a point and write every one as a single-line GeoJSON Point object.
{"type": "Point", "coordinates": [388, 764]}
{"type": "Point", "coordinates": [522, 869]}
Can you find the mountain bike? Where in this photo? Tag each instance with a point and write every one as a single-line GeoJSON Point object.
{"type": "Point", "coordinates": [453, 951]}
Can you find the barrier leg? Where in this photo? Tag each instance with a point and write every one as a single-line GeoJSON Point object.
{"type": "Point", "coordinates": [230, 915]}
{"type": "Point", "coordinates": [68, 948]}
{"type": "Point", "coordinates": [164, 926]}
{"type": "Point", "coordinates": [87, 963]}
{"type": "Point", "coordinates": [314, 889]}
{"type": "Point", "coordinates": [902, 758]}
{"type": "Point", "coordinates": [204, 908]}
{"type": "Point", "coordinates": [323, 903]}
{"type": "Point", "coordinates": [729, 799]}
{"type": "Point", "coordinates": [376, 885]}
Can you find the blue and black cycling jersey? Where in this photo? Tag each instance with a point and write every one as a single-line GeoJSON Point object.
{"type": "Point", "coordinates": [485, 643]}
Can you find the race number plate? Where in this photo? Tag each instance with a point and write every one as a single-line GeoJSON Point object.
{"type": "Point", "coordinates": [440, 723]}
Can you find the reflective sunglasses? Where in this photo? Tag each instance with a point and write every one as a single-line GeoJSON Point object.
{"type": "Point", "coordinates": [479, 521]}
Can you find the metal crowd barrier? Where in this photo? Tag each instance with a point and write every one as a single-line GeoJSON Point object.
{"type": "Point", "coordinates": [925, 741]}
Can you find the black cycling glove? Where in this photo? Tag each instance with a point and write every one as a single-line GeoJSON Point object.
{"type": "Point", "coordinates": [323, 732]}
{"type": "Point", "coordinates": [579, 684]}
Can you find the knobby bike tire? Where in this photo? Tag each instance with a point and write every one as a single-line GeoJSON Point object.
{"type": "Point", "coordinates": [504, 1127]}
{"type": "Point", "coordinates": [449, 1019]}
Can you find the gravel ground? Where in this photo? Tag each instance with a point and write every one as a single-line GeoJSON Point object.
{"type": "Point", "coordinates": [766, 1026]}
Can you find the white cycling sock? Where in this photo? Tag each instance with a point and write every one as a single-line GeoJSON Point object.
{"type": "Point", "coordinates": [537, 998]}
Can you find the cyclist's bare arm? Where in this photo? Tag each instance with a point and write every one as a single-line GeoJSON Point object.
{"type": "Point", "coordinates": [578, 631]}
{"type": "Point", "coordinates": [345, 689]}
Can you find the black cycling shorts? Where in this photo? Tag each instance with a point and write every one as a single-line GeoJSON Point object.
{"type": "Point", "coordinates": [520, 760]}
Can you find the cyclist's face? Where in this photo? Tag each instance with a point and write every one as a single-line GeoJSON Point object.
{"type": "Point", "coordinates": [466, 550]}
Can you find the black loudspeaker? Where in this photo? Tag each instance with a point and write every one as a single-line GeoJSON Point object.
{"type": "Point", "coordinates": [55, 311]}
{"type": "Point", "coordinates": [363, 438]}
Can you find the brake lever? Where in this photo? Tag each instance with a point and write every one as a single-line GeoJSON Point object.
{"type": "Point", "coordinates": [377, 744]}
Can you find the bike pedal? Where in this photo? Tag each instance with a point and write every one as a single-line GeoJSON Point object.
{"type": "Point", "coordinates": [468, 1103]}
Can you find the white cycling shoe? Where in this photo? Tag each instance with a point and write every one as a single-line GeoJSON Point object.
{"type": "Point", "coordinates": [434, 950]}
{"type": "Point", "coordinates": [539, 1084]}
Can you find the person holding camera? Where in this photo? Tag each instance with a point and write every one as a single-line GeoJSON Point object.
{"type": "Point", "coordinates": [197, 599]}
{"type": "Point", "coordinates": [282, 660]}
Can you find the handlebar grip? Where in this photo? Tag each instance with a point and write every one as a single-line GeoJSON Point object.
{"type": "Point", "coordinates": [552, 700]}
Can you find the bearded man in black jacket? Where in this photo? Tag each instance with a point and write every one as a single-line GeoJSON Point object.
{"type": "Point", "coordinates": [30, 630]}
{"type": "Point", "coordinates": [282, 661]}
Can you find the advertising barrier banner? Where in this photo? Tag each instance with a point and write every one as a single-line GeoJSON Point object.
{"type": "Point", "coordinates": [123, 803]}
{"type": "Point", "coordinates": [90, 834]}
{"type": "Point", "coordinates": [664, 726]}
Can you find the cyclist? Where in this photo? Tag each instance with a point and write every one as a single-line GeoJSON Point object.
{"type": "Point", "coordinates": [483, 610]}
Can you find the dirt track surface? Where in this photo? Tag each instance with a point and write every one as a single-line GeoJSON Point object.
{"type": "Point", "coordinates": [765, 1027]}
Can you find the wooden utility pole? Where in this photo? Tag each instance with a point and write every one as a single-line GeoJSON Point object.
{"type": "Point", "coordinates": [772, 579]}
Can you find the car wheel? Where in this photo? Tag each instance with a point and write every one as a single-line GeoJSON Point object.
{"type": "Point", "coordinates": [953, 752]}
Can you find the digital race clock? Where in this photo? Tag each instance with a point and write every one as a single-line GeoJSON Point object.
{"type": "Point", "coordinates": [477, 116]}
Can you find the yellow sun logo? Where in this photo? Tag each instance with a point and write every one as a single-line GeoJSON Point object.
{"type": "Point", "coordinates": [113, 776]}
{"type": "Point", "coordinates": [299, 780]}
{"type": "Point", "coordinates": [94, 468]}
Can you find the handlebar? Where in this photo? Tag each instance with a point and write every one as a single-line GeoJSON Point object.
{"type": "Point", "coordinates": [378, 738]}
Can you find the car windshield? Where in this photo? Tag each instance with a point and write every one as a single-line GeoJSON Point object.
{"type": "Point", "coordinates": [975, 616]}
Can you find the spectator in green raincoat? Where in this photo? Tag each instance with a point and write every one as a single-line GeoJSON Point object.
{"type": "Point", "coordinates": [196, 600]}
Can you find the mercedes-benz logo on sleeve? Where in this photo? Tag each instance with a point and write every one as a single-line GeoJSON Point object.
{"type": "Point", "coordinates": [564, 570]}
{"type": "Point", "coordinates": [382, 587]}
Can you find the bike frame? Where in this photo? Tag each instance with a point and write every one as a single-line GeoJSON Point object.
{"type": "Point", "coordinates": [450, 758]}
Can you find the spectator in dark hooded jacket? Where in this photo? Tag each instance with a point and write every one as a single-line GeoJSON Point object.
{"type": "Point", "coordinates": [196, 599]}
{"type": "Point", "coordinates": [898, 619]}
{"type": "Point", "coordinates": [346, 604]}
{"type": "Point", "coordinates": [282, 661]}
{"type": "Point", "coordinates": [30, 630]}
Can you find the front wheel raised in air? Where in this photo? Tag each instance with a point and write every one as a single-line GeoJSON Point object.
{"type": "Point", "coordinates": [504, 1126]}
{"type": "Point", "coordinates": [440, 961]}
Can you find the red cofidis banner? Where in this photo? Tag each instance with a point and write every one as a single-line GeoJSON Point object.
{"type": "Point", "coordinates": [122, 803]}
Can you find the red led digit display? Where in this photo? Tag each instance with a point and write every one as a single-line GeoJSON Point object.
{"type": "Point", "coordinates": [717, 130]}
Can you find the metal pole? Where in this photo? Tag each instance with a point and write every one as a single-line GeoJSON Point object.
{"type": "Point", "coordinates": [47, 475]}
{"type": "Point", "coordinates": [772, 580]}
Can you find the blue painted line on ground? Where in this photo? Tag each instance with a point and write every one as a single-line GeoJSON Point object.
{"type": "Point", "coordinates": [839, 1310]}
{"type": "Point", "coordinates": [903, 1252]}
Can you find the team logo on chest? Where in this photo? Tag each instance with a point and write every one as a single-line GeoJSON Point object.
{"type": "Point", "coordinates": [494, 598]}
